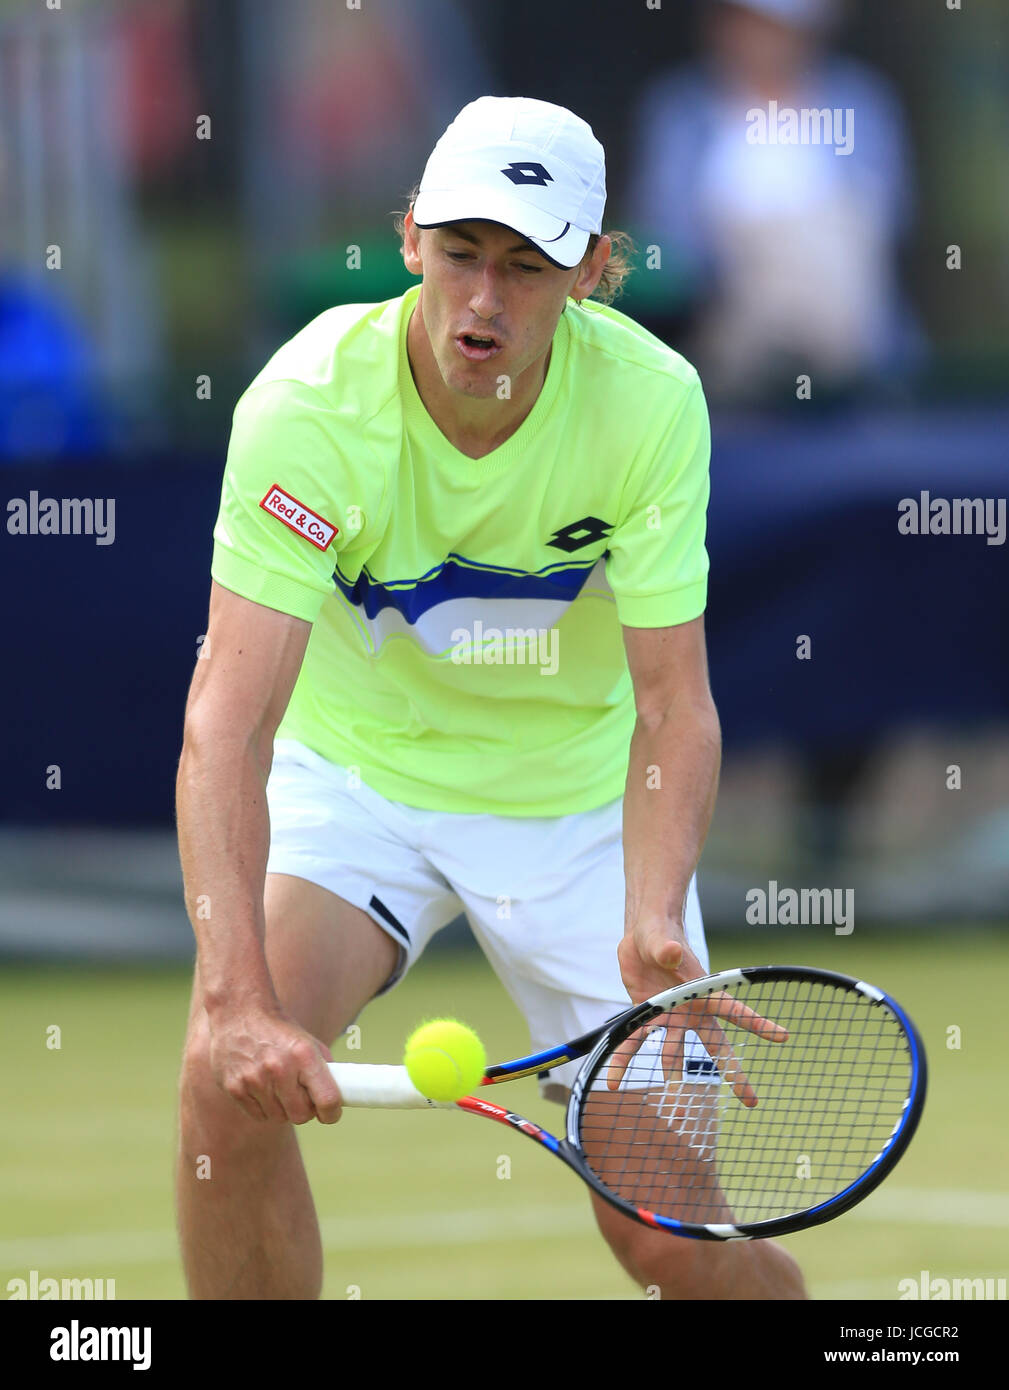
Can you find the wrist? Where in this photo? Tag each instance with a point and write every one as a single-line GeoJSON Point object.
{"type": "Point", "coordinates": [656, 924]}
{"type": "Point", "coordinates": [230, 998]}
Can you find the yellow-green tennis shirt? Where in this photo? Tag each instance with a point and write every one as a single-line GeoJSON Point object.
{"type": "Point", "coordinates": [466, 653]}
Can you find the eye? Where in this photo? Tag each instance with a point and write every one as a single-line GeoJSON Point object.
{"type": "Point", "coordinates": [535, 269]}
{"type": "Point", "coordinates": [457, 255]}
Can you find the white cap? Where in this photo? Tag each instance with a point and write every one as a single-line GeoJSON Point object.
{"type": "Point", "coordinates": [532, 166]}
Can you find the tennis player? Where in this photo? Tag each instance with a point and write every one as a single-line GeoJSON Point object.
{"type": "Point", "coordinates": [455, 661]}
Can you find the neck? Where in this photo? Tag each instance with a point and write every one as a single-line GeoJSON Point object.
{"type": "Point", "coordinates": [475, 425]}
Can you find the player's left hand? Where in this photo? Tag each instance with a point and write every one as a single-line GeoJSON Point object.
{"type": "Point", "coordinates": [654, 957]}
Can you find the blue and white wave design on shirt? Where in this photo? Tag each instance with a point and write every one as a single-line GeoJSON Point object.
{"type": "Point", "coordinates": [459, 594]}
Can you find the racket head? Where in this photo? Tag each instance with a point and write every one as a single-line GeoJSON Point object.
{"type": "Point", "coordinates": [837, 1104]}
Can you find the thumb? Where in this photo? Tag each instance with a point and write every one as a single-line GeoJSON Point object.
{"type": "Point", "coordinates": [668, 953]}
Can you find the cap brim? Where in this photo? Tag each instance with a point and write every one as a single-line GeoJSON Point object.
{"type": "Point", "coordinates": [561, 243]}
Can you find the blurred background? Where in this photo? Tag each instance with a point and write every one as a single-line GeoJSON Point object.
{"type": "Point", "coordinates": [183, 185]}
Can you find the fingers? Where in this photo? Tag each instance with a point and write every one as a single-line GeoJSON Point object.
{"type": "Point", "coordinates": [733, 1011]}
{"type": "Point", "coordinates": [702, 1017]}
{"type": "Point", "coordinates": [248, 1104]}
{"type": "Point", "coordinates": [624, 1054]}
{"type": "Point", "coordinates": [289, 1085]}
{"type": "Point", "coordinates": [718, 1046]}
{"type": "Point", "coordinates": [721, 1049]}
{"type": "Point", "coordinates": [672, 1050]}
{"type": "Point", "coordinates": [304, 1088]}
{"type": "Point", "coordinates": [323, 1092]}
{"type": "Point", "coordinates": [723, 1054]}
{"type": "Point", "coordinates": [621, 1058]}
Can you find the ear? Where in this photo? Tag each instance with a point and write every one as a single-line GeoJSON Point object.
{"type": "Point", "coordinates": [590, 271]}
{"type": "Point", "coordinates": [411, 245]}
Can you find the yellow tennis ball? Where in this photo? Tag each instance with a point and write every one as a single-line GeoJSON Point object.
{"type": "Point", "coordinates": [444, 1059]}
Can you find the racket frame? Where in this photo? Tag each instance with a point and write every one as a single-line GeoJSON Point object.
{"type": "Point", "coordinates": [884, 1162]}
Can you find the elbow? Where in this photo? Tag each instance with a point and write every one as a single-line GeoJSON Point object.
{"type": "Point", "coordinates": [206, 740]}
{"type": "Point", "coordinates": [694, 712]}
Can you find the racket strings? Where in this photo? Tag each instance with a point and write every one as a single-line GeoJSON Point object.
{"type": "Point", "coordinates": [676, 1139]}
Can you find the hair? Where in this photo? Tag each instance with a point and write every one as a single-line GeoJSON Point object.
{"type": "Point", "coordinates": [615, 272]}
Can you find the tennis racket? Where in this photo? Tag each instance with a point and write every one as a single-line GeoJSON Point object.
{"type": "Point", "coordinates": [747, 1104]}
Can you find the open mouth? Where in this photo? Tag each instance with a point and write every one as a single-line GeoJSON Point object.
{"type": "Point", "coordinates": [477, 347]}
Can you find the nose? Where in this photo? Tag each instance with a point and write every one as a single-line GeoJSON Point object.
{"type": "Point", "coordinates": [485, 300]}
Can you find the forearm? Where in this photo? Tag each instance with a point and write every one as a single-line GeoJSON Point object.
{"type": "Point", "coordinates": [672, 781]}
{"type": "Point", "coordinates": [224, 838]}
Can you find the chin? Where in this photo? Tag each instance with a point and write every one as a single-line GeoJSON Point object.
{"type": "Point", "coordinates": [470, 380]}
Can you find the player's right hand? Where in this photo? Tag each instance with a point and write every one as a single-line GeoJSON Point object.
{"type": "Point", "coordinates": [272, 1067]}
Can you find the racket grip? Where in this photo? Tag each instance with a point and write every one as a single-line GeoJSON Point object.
{"type": "Point", "coordinates": [380, 1088]}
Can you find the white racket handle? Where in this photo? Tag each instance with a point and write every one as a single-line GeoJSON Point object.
{"type": "Point", "coordinates": [380, 1088]}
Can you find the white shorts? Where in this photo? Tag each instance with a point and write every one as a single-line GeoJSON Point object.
{"type": "Point", "coordinates": [544, 896]}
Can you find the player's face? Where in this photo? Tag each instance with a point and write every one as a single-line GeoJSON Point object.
{"type": "Point", "coordinates": [490, 302]}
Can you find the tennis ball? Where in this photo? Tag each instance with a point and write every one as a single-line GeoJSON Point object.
{"type": "Point", "coordinates": [444, 1059]}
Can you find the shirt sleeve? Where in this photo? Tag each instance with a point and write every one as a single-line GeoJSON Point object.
{"type": "Point", "coordinates": [289, 502]}
{"type": "Point", "coordinates": [657, 564]}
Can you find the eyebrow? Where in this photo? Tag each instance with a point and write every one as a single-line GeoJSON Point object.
{"type": "Point", "coordinates": [471, 237]}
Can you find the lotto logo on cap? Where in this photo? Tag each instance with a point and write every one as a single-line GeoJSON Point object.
{"type": "Point", "coordinates": [528, 165]}
{"type": "Point", "coordinates": [298, 517]}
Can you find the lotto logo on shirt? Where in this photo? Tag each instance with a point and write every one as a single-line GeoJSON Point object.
{"type": "Point", "coordinates": [298, 517]}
